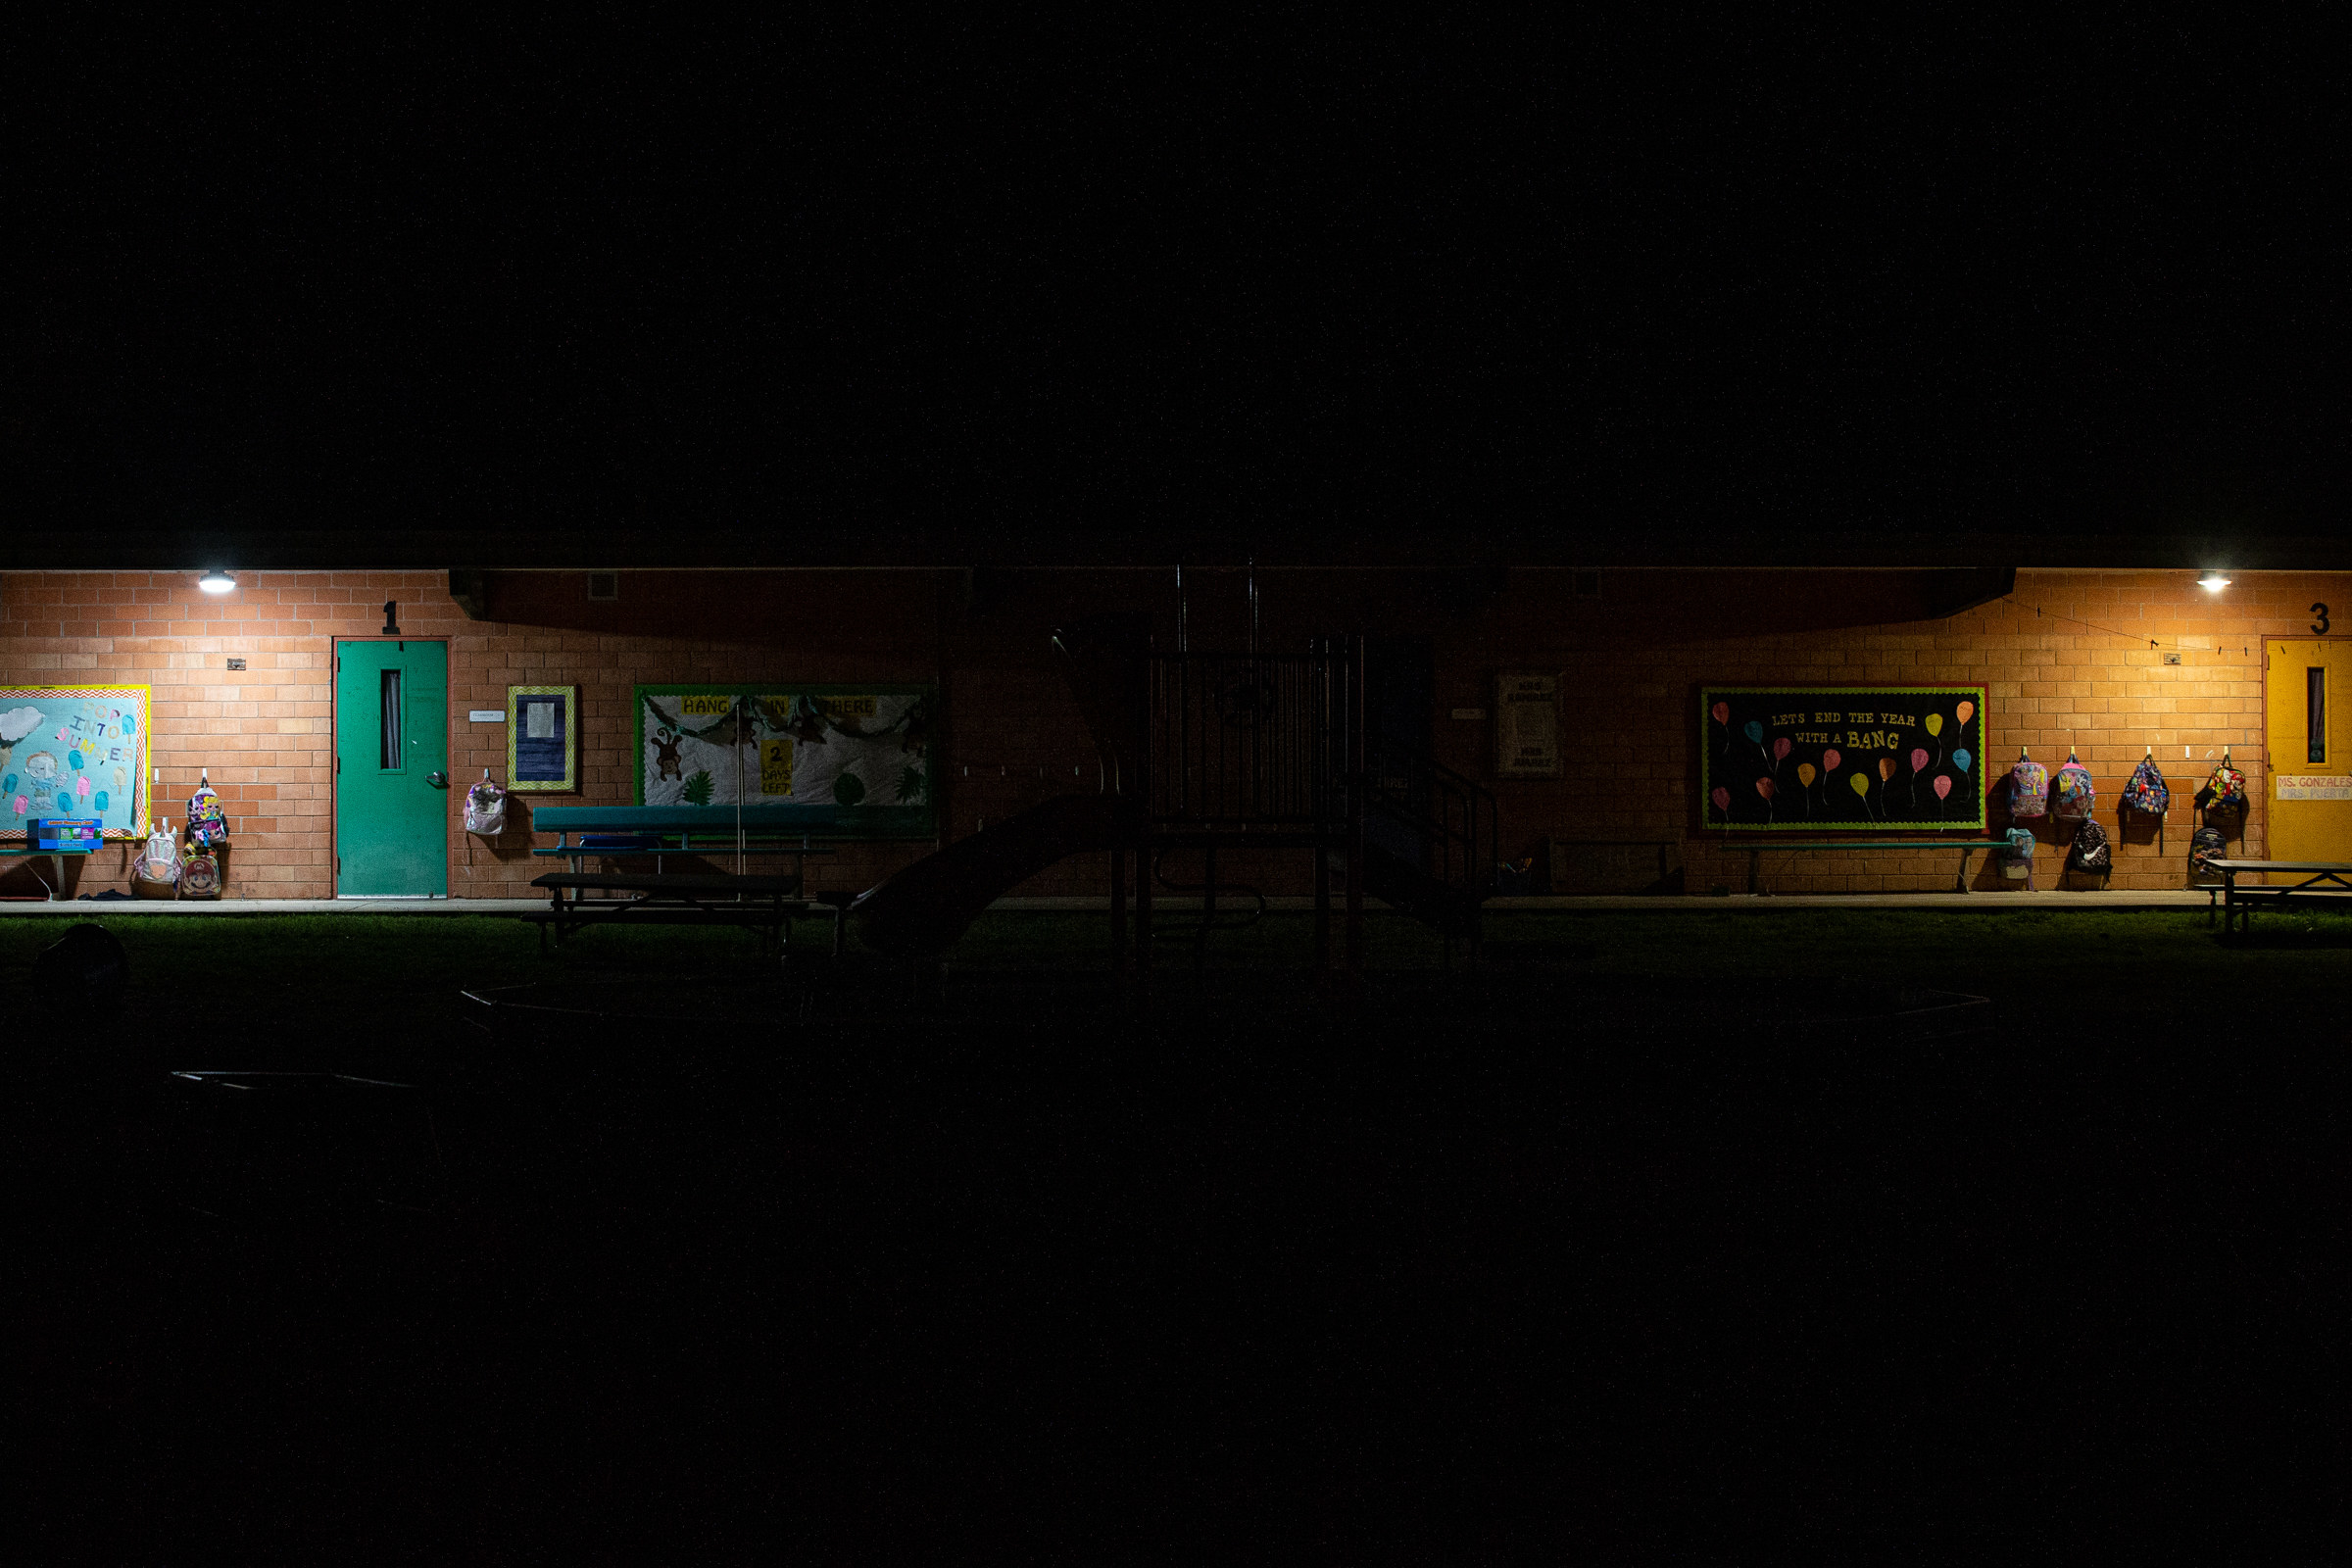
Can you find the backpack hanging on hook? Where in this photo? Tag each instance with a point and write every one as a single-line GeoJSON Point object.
{"type": "Point", "coordinates": [2076, 794]}
{"type": "Point", "coordinates": [2148, 794]}
{"type": "Point", "coordinates": [2224, 791]}
{"type": "Point", "coordinates": [2029, 788]}
{"type": "Point", "coordinates": [486, 808]}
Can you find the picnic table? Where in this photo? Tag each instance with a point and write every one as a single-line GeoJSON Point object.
{"type": "Point", "coordinates": [2322, 880]}
{"type": "Point", "coordinates": [765, 904]}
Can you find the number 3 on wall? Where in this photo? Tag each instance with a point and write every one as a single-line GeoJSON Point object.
{"type": "Point", "coordinates": [2319, 628]}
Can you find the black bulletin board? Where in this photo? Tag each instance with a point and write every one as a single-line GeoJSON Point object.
{"type": "Point", "coordinates": [1806, 758]}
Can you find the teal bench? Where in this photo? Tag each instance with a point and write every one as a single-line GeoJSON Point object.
{"type": "Point", "coordinates": [1966, 847]}
{"type": "Point", "coordinates": [659, 830]}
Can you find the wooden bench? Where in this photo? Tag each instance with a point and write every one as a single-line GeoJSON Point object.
{"type": "Point", "coordinates": [766, 905]}
{"type": "Point", "coordinates": [2322, 881]}
{"type": "Point", "coordinates": [1966, 847]}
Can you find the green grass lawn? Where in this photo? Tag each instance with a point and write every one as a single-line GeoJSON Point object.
{"type": "Point", "coordinates": [282, 977]}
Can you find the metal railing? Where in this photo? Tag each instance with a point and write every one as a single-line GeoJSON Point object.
{"type": "Point", "coordinates": [1246, 740]}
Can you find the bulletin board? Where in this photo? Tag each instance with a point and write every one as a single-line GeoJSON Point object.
{"type": "Point", "coordinates": [853, 761]}
{"type": "Point", "coordinates": [543, 738]}
{"type": "Point", "coordinates": [75, 751]}
{"type": "Point", "coordinates": [1798, 759]}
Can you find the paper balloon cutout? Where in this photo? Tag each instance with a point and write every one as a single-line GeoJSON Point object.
{"type": "Point", "coordinates": [1764, 788]}
{"type": "Point", "coordinates": [1860, 782]}
{"type": "Point", "coordinates": [1965, 708]}
{"type": "Point", "coordinates": [1780, 749]}
{"type": "Point", "coordinates": [1960, 760]}
{"type": "Point", "coordinates": [1919, 759]}
{"type": "Point", "coordinates": [1944, 786]}
{"type": "Point", "coordinates": [1722, 799]}
{"type": "Point", "coordinates": [1753, 730]}
{"type": "Point", "coordinates": [1804, 775]}
{"type": "Point", "coordinates": [1828, 760]}
{"type": "Point", "coordinates": [1886, 768]}
{"type": "Point", "coordinates": [1934, 723]}
{"type": "Point", "coordinates": [1722, 713]}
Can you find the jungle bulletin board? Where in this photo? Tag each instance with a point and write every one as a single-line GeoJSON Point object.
{"type": "Point", "coordinates": [75, 751]}
{"type": "Point", "coordinates": [856, 760]}
{"type": "Point", "coordinates": [1808, 758]}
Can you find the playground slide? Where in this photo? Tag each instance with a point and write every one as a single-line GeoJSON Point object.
{"type": "Point", "coordinates": [919, 911]}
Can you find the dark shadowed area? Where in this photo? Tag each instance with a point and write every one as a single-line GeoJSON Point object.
{"type": "Point", "coordinates": [670, 1245]}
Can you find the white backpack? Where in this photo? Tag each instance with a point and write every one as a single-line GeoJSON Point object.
{"type": "Point", "coordinates": [160, 860]}
{"type": "Point", "coordinates": [486, 808]}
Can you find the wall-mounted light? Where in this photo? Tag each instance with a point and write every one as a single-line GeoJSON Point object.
{"type": "Point", "coordinates": [217, 581]}
{"type": "Point", "coordinates": [2213, 582]}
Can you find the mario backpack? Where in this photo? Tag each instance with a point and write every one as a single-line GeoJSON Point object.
{"type": "Point", "coordinates": [2076, 794]}
{"type": "Point", "coordinates": [2029, 788]}
{"type": "Point", "coordinates": [2225, 790]}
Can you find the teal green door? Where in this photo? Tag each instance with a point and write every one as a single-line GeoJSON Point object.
{"type": "Point", "coordinates": [392, 769]}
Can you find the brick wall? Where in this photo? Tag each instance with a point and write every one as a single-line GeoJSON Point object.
{"type": "Point", "coordinates": [2052, 682]}
{"type": "Point", "coordinates": [266, 734]}
{"type": "Point", "coordinates": [1630, 661]}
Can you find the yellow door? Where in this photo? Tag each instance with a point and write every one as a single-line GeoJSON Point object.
{"type": "Point", "coordinates": [2309, 695]}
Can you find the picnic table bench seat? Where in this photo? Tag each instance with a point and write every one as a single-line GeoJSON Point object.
{"type": "Point", "coordinates": [1966, 847]}
{"type": "Point", "coordinates": [766, 905]}
{"type": "Point", "coordinates": [2324, 882]}
{"type": "Point", "coordinates": [659, 830]}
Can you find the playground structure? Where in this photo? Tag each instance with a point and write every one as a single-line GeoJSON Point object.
{"type": "Point", "coordinates": [1211, 754]}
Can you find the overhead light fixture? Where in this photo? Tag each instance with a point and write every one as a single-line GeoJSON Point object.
{"type": "Point", "coordinates": [217, 581]}
{"type": "Point", "coordinates": [2213, 582]}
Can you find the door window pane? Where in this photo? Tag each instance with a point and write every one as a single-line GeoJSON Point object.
{"type": "Point", "coordinates": [2316, 711]}
{"type": "Point", "coordinates": [388, 699]}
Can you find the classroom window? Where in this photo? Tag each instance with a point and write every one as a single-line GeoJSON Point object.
{"type": "Point", "coordinates": [388, 700]}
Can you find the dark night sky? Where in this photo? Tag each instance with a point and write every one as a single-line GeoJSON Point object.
{"type": "Point", "coordinates": [620, 276]}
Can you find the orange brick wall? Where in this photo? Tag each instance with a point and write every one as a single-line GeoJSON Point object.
{"type": "Point", "coordinates": [1631, 663]}
{"type": "Point", "coordinates": [264, 734]}
{"type": "Point", "coordinates": [1630, 725]}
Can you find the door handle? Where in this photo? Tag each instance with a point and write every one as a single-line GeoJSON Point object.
{"type": "Point", "coordinates": [439, 781]}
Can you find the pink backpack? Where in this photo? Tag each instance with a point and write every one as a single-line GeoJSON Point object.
{"type": "Point", "coordinates": [2076, 795]}
{"type": "Point", "coordinates": [2029, 788]}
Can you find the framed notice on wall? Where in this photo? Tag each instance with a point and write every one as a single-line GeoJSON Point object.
{"type": "Point", "coordinates": [75, 752]}
{"type": "Point", "coordinates": [543, 738]}
{"type": "Point", "coordinates": [1806, 758]}
{"type": "Point", "coordinates": [848, 761]}
{"type": "Point", "coordinates": [1527, 725]}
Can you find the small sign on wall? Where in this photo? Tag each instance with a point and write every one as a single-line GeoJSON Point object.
{"type": "Point", "coordinates": [1527, 725]}
{"type": "Point", "coordinates": [2314, 786]}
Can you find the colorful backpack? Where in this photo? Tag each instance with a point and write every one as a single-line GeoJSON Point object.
{"type": "Point", "coordinates": [208, 823]}
{"type": "Point", "coordinates": [2090, 851]}
{"type": "Point", "coordinates": [2205, 843]}
{"type": "Point", "coordinates": [2146, 792]}
{"type": "Point", "coordinates": [2226, 791]}
{"type": "Point", "coordinates": [2029, 788]}
{"type": "Point", "coordinates": [2016, 864]}
{"type": "Point", "coordinates": [2076, 795]}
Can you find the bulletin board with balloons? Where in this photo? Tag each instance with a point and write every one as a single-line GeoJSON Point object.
{"type": "Point", "coordinates": [1847, 757]}
{"type": "Point", "coordinates": [75, 751]}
